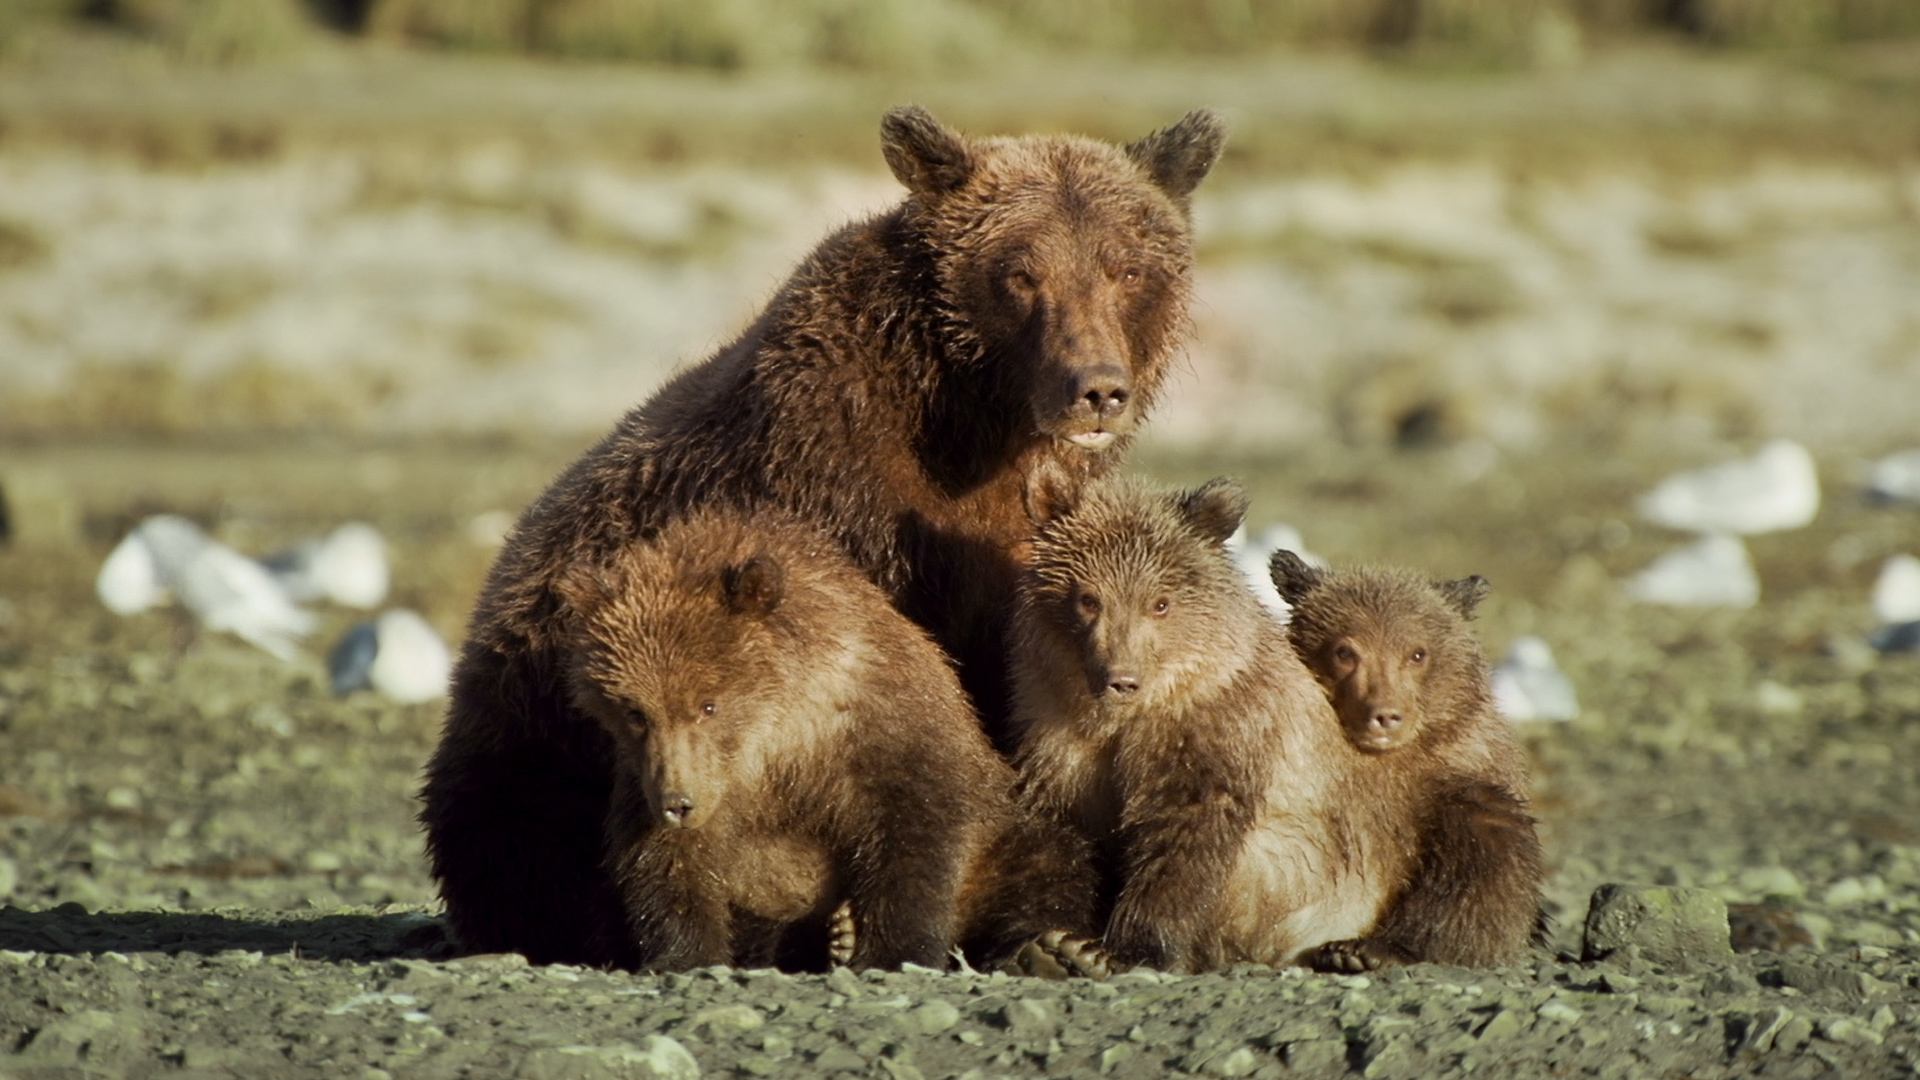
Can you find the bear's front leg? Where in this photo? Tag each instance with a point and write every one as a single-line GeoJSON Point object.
{"type": "Point", "coordinates": [905, 870]}
{"type": "Point", "coordinates": [672, 883]}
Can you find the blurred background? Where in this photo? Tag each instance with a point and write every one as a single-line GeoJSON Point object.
{"type": "Point", "coordinates": [1438, 221]}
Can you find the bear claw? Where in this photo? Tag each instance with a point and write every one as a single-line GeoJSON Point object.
{"type": "Point", "coordinates": [1058, 954]}
{"type": "Point", "coordinates": [841, 938]}
{"type": "Point", "coordinates": [1356, 956]}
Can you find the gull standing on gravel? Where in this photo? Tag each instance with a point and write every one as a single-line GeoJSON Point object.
{"type": "Point", "coordinates": [1253, 555]}
{"type": "Point", "coordinates": [1778, 488]}
{"type": "Point", "coordinates": [398, 655]}
{"type": "Point", "coordinates": [168, 557]}
{"type": "Point", "coordinates": [348, 566]}
{"type": "Point", "coordinates": [1896, 478]}
{"type": "Point", "coordinates": [1896, 603]}
{"type": "Point", "coordinates": [1713, 572]}
{"type": "Point", "coordinates": [1529, 686]}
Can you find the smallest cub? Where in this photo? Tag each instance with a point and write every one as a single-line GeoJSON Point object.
{"type": "Point", "coordinates": [792, 758]}
{"type": "Point", "coordinates": [1410, 686]}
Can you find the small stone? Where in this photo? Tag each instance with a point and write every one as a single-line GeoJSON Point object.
{"type": "Point", "coordinates": [1765, 881]}
{"type": "Point", "coordinates": [1115, 1056]}
{"type": "Point", "coordinates": [1558, 1010]}
{"type": "Point", "coordinates": [933, 1017]}
{"type": "Point", "coordinates": [1505, 1024]}
{"type": "Point", "coordinates": [1757, 1033]}
{"type": "Point", "coordinates": [726, 1019]}
{"type": "Point", "coordinates": [1027, 1018]}
{"type": "Point", "coordinates": [1848, 1030]}
{"type": "Point", "coordinates": [1316, 1054]}
{"type": "Point", "coordinates": [839, 1059]}
{"type": "Point", "coordinates": [844, 981]}
{"type": "Point", "coordinates": [1668, 925]}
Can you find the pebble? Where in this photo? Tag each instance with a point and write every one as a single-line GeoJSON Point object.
{"type": "Point", "coordinates": [1713, 572]}
{"type": "Point", "coordinates": [1529, 686]}
{"type": "Point", "coordinates": [1778, 488]}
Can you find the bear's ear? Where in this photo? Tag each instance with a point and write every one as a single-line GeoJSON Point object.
{"type": "Point", "coordinates": [586, 587]}
{"type": "Point", "coordinates": [754, 587]}
{"type": "Point", "coordinates": [1292, 575]}
{"type": "Point", "coordinates": [1215, 508]}
{"type": "Point", "coordinates": [1464, 595]}
{"type": "Point", "coordinates": [1179, 157]}
{"type": "Point", "coordinates": [1051, 493]}
{"type": "Point", "coordinates": [924, 154]}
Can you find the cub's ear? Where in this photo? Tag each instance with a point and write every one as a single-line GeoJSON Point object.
{"type": "Point", "coordinates": [924, 154]}
{"type": "Point", "coordinates": [754, 588]}
{"type": "Point", "coordinates": [1464, 595]}
{"type": "Point", "coordinates": [1179, 157]}
{"type": "Point", "coordinates": [586, 587]}
{"type": "Point", "coordinates": [1215, 508]}
{"type": "Point", "coordinates": [1292, 575]}
{"type": "Point", "coordinates": [1051, 493]}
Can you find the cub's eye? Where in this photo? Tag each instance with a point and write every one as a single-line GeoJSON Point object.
{"type": "Point", "coordinates": [1161, 605]}
{"type": "Point", "coordinates": [708, 709]}
{"type": "Point", "coordinates": [1022, 282]}
{"type": "Point", "coordinates": [1419, 656]}
{"type": "Point", "coordinates": [1129, 276]}
{"type": "Point", "coordinates": [1089, 604]}
{"type": "Point", "coordinates": [1345, 654]}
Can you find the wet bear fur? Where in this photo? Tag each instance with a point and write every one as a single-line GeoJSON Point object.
{"type": "Point", "coordinates": [1410, 686]}
{"type": "Point", "coordinates": [1008, 324]}
{"type": "Point", "coordinates": [784, 741]}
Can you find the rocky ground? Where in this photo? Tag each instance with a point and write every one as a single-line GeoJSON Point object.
{"type": "Point", "coordinates": [211, 865]}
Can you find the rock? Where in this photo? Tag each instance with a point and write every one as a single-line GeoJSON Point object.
{"type": "Point", "coordinates": [1028, 1019]}
{"type": "Point", "coordinates": [1714, 572]}
{"type": "Point", "coordinates": [1896, 477]}
{"type": "Point", "coordinates": [933, 1017]}
{"type": "Point", "coordinates": [1528, 686]}
{"type": "Point", "coordinates": [1778, 488]}
{"type": "Point", "coordinates": [1316, 1055]}
{"type": "Point", "coordinates": [1756, 1034]}
{"type": "Point", "coordinates": [1666, 925]}
{"type": "Point", "coordinates": [1896, 592]}
{"type": "Point", "coordinates": [348, 566]}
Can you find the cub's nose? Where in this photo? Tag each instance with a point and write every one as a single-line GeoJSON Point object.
{"type": "Point", "coordinates": [676, 807]}
{"type": "Point", "coordinates": [1384, 721]}
{"type": "Point", "coordinates": [1124, 683]}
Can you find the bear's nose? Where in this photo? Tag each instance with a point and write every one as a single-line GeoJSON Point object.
{"type": "Point", "coordinates": [1105, 390]}
{"type": "Point", "coordinates": [1123, 682]}
{"type": "Point", "coordinates": [1385, 721]}
{"type": "Point", "coordinates": [676, 807]}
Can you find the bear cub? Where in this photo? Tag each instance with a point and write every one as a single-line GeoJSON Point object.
{"type": "Point", "coordinates": [793, 758]}
{"type": "Point", "coordinates": [1163, 715]}
{"type": "Point", "coordinates": [1410, 686]}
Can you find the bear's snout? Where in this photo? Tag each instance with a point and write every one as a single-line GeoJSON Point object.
{"type": "Point", "coordinates": [676, 810]}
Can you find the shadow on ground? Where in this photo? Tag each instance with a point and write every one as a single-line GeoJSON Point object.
{"type": "Point", "coordinates": [71, 929]}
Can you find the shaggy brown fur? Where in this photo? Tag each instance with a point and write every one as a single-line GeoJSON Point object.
{"type": "Point", "coordinates": [1410, 685]}
{"type": "Point", "coordinates": [1162, 713]}
{"type": "Point", "coordinates": [1008, 324]}
{"type": "Point", "coordinates": [784, 740]}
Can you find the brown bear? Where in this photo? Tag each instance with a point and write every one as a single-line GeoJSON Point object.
{"type": "Point", "coordinates": [1008, 324]}
{"type": "Point", "coordinates": [794, 759]}
{"type": "Point", "coordinates": [1411, 688]}
{"type": "Point", "coordinates": [1165, 714]}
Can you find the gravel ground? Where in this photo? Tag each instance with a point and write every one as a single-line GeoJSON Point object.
{"type": "Point", "coordinates": [212, 867]}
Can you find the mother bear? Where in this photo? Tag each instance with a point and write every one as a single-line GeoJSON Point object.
{"type": "Point", "coordinates": [1003, 329]}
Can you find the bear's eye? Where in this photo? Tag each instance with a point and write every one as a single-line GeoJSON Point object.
{"type": "Point", "coordinates": [708, 709]}
{"type": "Point", "coordinates": [636, 719]}
{"type": "Point", "coordinates": [1419, 656]}
{"type": "Point", "coordinates": [1021, 282]}
{"type": "Point", "coordinates": [1345, 654]}
{"type": "Point", "coordinates": [1161, 605]}
{"type": "Point", "coordinates": [1089, 604]}
{"type": "Point", "coordinates": [1130, 275]}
